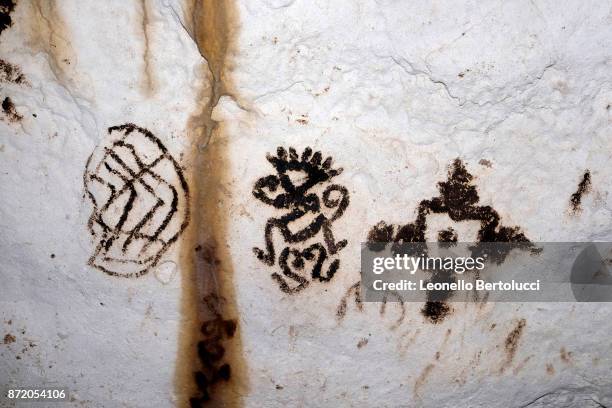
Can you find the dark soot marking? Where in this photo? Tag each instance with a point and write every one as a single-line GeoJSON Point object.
{"type": "Point", "coordinates": [6, 8]}
{"type": "Point", "coordinates": [583, 187]}
{"type": "Point", "coordinates": [8, 107]}
{"type": "Point", "coordinates": [11, 73]}
{"type": "Point", "coordinates": [211, 351]}
{"type": "Point", "coordinates": [458, 198]}
{"type": "Point", "coordinates": [448, 235]}
{"type": "Point", "coordinates": [297, 201]}
{"type": "Point", "coordinates": [435, 311]}
{"type": "Point", "coordinates": [130, 178]}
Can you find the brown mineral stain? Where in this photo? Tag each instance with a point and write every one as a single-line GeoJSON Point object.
{"type": "Point", "coordinates": [400, 307]}
{"type": "Point", "coordinates": [47, 32]}
{"type": "Point", "coordinates": [584, 187]}
{"type": "Point", "coordinates": [208, 293]}
{"type": "Point", "coordinates": [550, 369]}
{"type": "Point", "coordinates": [566, 356]}
{"type": "Point", "coordinates": [521, 365]}
{"type": "Point", "coordinates": [149, 83]}
{"type": "Point", "coordinates": [406, 340]}
{"type": "Point", "coordinates": [423, 378]}
{"type": "Point", "coordinates": [9, 338]}
{"type": "Point", "coordinates": [363, 342]}
{"type": "Point", "coordinates": [11, 114]}
{"type": "Point", "coordinates": [512, 342]}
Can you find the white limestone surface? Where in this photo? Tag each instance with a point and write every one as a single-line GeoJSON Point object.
{"type": "Point", "coordinates": [109, 341]}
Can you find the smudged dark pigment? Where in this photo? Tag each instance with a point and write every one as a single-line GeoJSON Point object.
{"type": "Point", "coordinates": [211, 352]}
{"type": "Point", "coordinates": [583, 187]}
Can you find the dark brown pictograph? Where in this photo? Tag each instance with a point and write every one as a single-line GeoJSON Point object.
{"type": "Point", "coordinates": [11, 74]}
{"type": "Point", "coordinates": [458, 199]}
{"type": "Point", "coordinates": [6, 8]}
{"type": "Point", "coordinates": [10, 112]}
{"type": "Point", "coordinates": [215, 332]}
{"type": "Point", "coordinates": [354, 293]}
{"type": "Point", "coordinates": [584, 187]}
{"type": "Point", "coordinates": [311, 204]}
{"type": "Point", "coordinates": [140, 201]}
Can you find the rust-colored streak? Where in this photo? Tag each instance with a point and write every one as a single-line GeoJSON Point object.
{"type": "Point", "coordinates": [212, 29]}
{"type": "Point", "coordinates": [210, 370]}
{"type": "Point", "coordinates": [566, 356]}
{"type": "Point", "coordinates": [49, 33]}
{"type": "Point", "coordinates": [511, 343]}
{"type": "Point", "coordinates": [423, 378]}
{"type": "Point", "coordinates": [149, 83]}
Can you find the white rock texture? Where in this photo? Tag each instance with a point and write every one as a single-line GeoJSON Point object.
{"type": "Point", "coordinates": [394, 92]}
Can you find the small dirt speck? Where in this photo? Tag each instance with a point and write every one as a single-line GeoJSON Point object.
{"type": "Point", "coordinates": [363, 342]}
